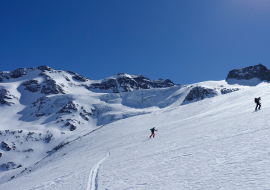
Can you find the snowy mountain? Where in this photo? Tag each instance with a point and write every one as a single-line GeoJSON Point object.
{"type": "Point", "coordinates": [125, 83]}
{"type": "Point", "coordinates": [51, 119]}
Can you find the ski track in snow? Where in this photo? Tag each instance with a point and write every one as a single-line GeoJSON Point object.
{"type": "Point", "coordinates": [93, 177]}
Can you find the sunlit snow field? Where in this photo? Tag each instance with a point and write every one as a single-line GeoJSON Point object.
{"type": "Point", "coordinates": [216, 143]}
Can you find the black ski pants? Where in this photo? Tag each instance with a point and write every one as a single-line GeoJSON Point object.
{"type": "Point", "coordinates": [257, 106]}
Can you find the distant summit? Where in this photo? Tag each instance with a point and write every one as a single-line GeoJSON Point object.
{"type": "Point", "coordinates": [120, 82]}
{"type": "Point", "coordinates": [17, 73]}
{"type": "Point", "coordinates": [247, 73]}
{"type": "Point", "coordinates": [123, 82]}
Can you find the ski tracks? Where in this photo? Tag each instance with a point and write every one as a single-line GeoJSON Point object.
{"type": "Point", "coordinates": [93, 177]}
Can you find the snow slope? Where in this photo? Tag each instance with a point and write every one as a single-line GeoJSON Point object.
{"type": "Point", "coordinates": [41, 108]}
{"type": "Point", "coordinates": [215, 143]}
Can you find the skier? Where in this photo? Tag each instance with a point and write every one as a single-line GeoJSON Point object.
{"type": "Point", "coordinates": [258, 103]}
{"type": "Point", "coordinates": [153, 132]}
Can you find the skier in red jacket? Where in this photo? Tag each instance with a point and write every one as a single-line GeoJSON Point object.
{"type": "Point", "coordinates": [153, 132]}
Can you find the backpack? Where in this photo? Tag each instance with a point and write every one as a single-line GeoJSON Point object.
{"type": "Point", "coordinates": [256, 100]}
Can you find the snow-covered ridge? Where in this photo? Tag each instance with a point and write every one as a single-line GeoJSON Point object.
{"type": "Point", "coordinates": [214, 143]}
{"type": "Point", "coordinates": [120, 82]}
{"type": "Point", "coordinates": [65, 105]}
{"type": "Point", "coordinates": [35, 102]}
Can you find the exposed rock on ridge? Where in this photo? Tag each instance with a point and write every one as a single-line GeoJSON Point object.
{"type": "Point", "coordinates": [4, 146]}
{"type": "Point", "coordinates": [199, 93]}
{"type": "Point", "coordinates": [17, 73]}
{"type": "Point", "coordinates": [52, 88]}
{"type": "Point", "coordinates": [247, 73]}
{"type": "Point", "coordinates": [125, 83]}
{"type": "Point", "coordinates": [68, 108]}
{"type": "Point", "coordinates": [44, 68]}
{"type": "Point", "coordinates": [31, 85]}
{"type": "Point", "coordinates": [78, 77]}
{"type": "Point", "coordinates": [227, 90]}
{"type": "Point", "coordinates": [4, 95]}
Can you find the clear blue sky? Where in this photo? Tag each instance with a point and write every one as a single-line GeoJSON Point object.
{"type": "Point", "coordinates": [186, 41]}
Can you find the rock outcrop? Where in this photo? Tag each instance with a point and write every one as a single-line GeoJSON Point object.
{"type": "Point", "coordinates": [124, 83]}
{"type": "Point", "coordinates": [68, 108]}
{"type": "Point", "coordinates": [18, 73]}
{"type": "Point", "coordinates": [199, 93]}
{"type": "Point", "coordinates": [31, 85]}
{"type": "Point", "coordinates": [44, 68]}
{"type": "Point", "coordinates": [4, 146]}
{"type": "Point", "coordinates": [247, 73]}
{"type": "Point", "coordinates": [228, 90]}
{"type": "Point", "coordinates": [78, 77]}
{"type": "Point", "coordinates": [4, 76]}
{"type": "Point", "coordinates": [5, 96]}
{"type": "Point", "coordinates": [8, 166]}
{"type": "Point", "coordinates": [52, 87]}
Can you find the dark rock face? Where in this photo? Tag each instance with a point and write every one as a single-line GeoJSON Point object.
{"type": "Point", "coordinates": [68, 108]}
{"type": "Point", "coordinates": [18, 73]}
{"type": "Point", "coordinates": [227, 90]}
{"type": "Point", "coordinates": [67, 79]}
{"type": "Point", "coordinates": [199, 93]}
{"type": "Point", "coordinates": [38, 105]}
{"type": "Point", "coordinates": [28, 150]}
{"type": "Point", "coordinates": [72, 127]}
{"type": "Point", "coordinates": [4, 94]}
{"type": "Point", "coordinates": [86, 114]}
{"type": "Point", "coordinates": [40, 102]}
{"type": "Point", "coordinates": [4, 146]}
{"type": "Point", "coordinates": [246, 73]}
{"type": "Point", "coordinates": [123, 83]}
{"type": "Point", "coordinates": [44, 68]}
{"type": "Point", "coordinates": [71, 72]}
{"type": "Point", "coordinates": [48, 137]}
{"type": "Point", "coordinates": [3, 75]}
{"type": "Point", "coordinates": [52, 87]}
{"type": "Point", "coordinates": [7, 166]}
{"type": "Point", "coordinates": [105, 85]}
{"type": "Point", "coordinates": [31, 85]}
{"type": "Point", "coordinates": [79, 78]}
{"type": "Point", "coordinates": [160, 83]}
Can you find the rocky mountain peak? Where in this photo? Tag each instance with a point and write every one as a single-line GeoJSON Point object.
{"type": "Point", "coordinates": [20, 72]}
{"type": "Point", "coordinates": [123, 82]}
{"type": "Point", "coordinates": [44, 68]}
{"type": "Point", "coordinates": [121, 74]}
{"type": "Point", "coordinates": [247, 73]}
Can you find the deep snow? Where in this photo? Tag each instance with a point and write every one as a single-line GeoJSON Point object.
{"type": "Point", "coordinates": [216, 143]}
